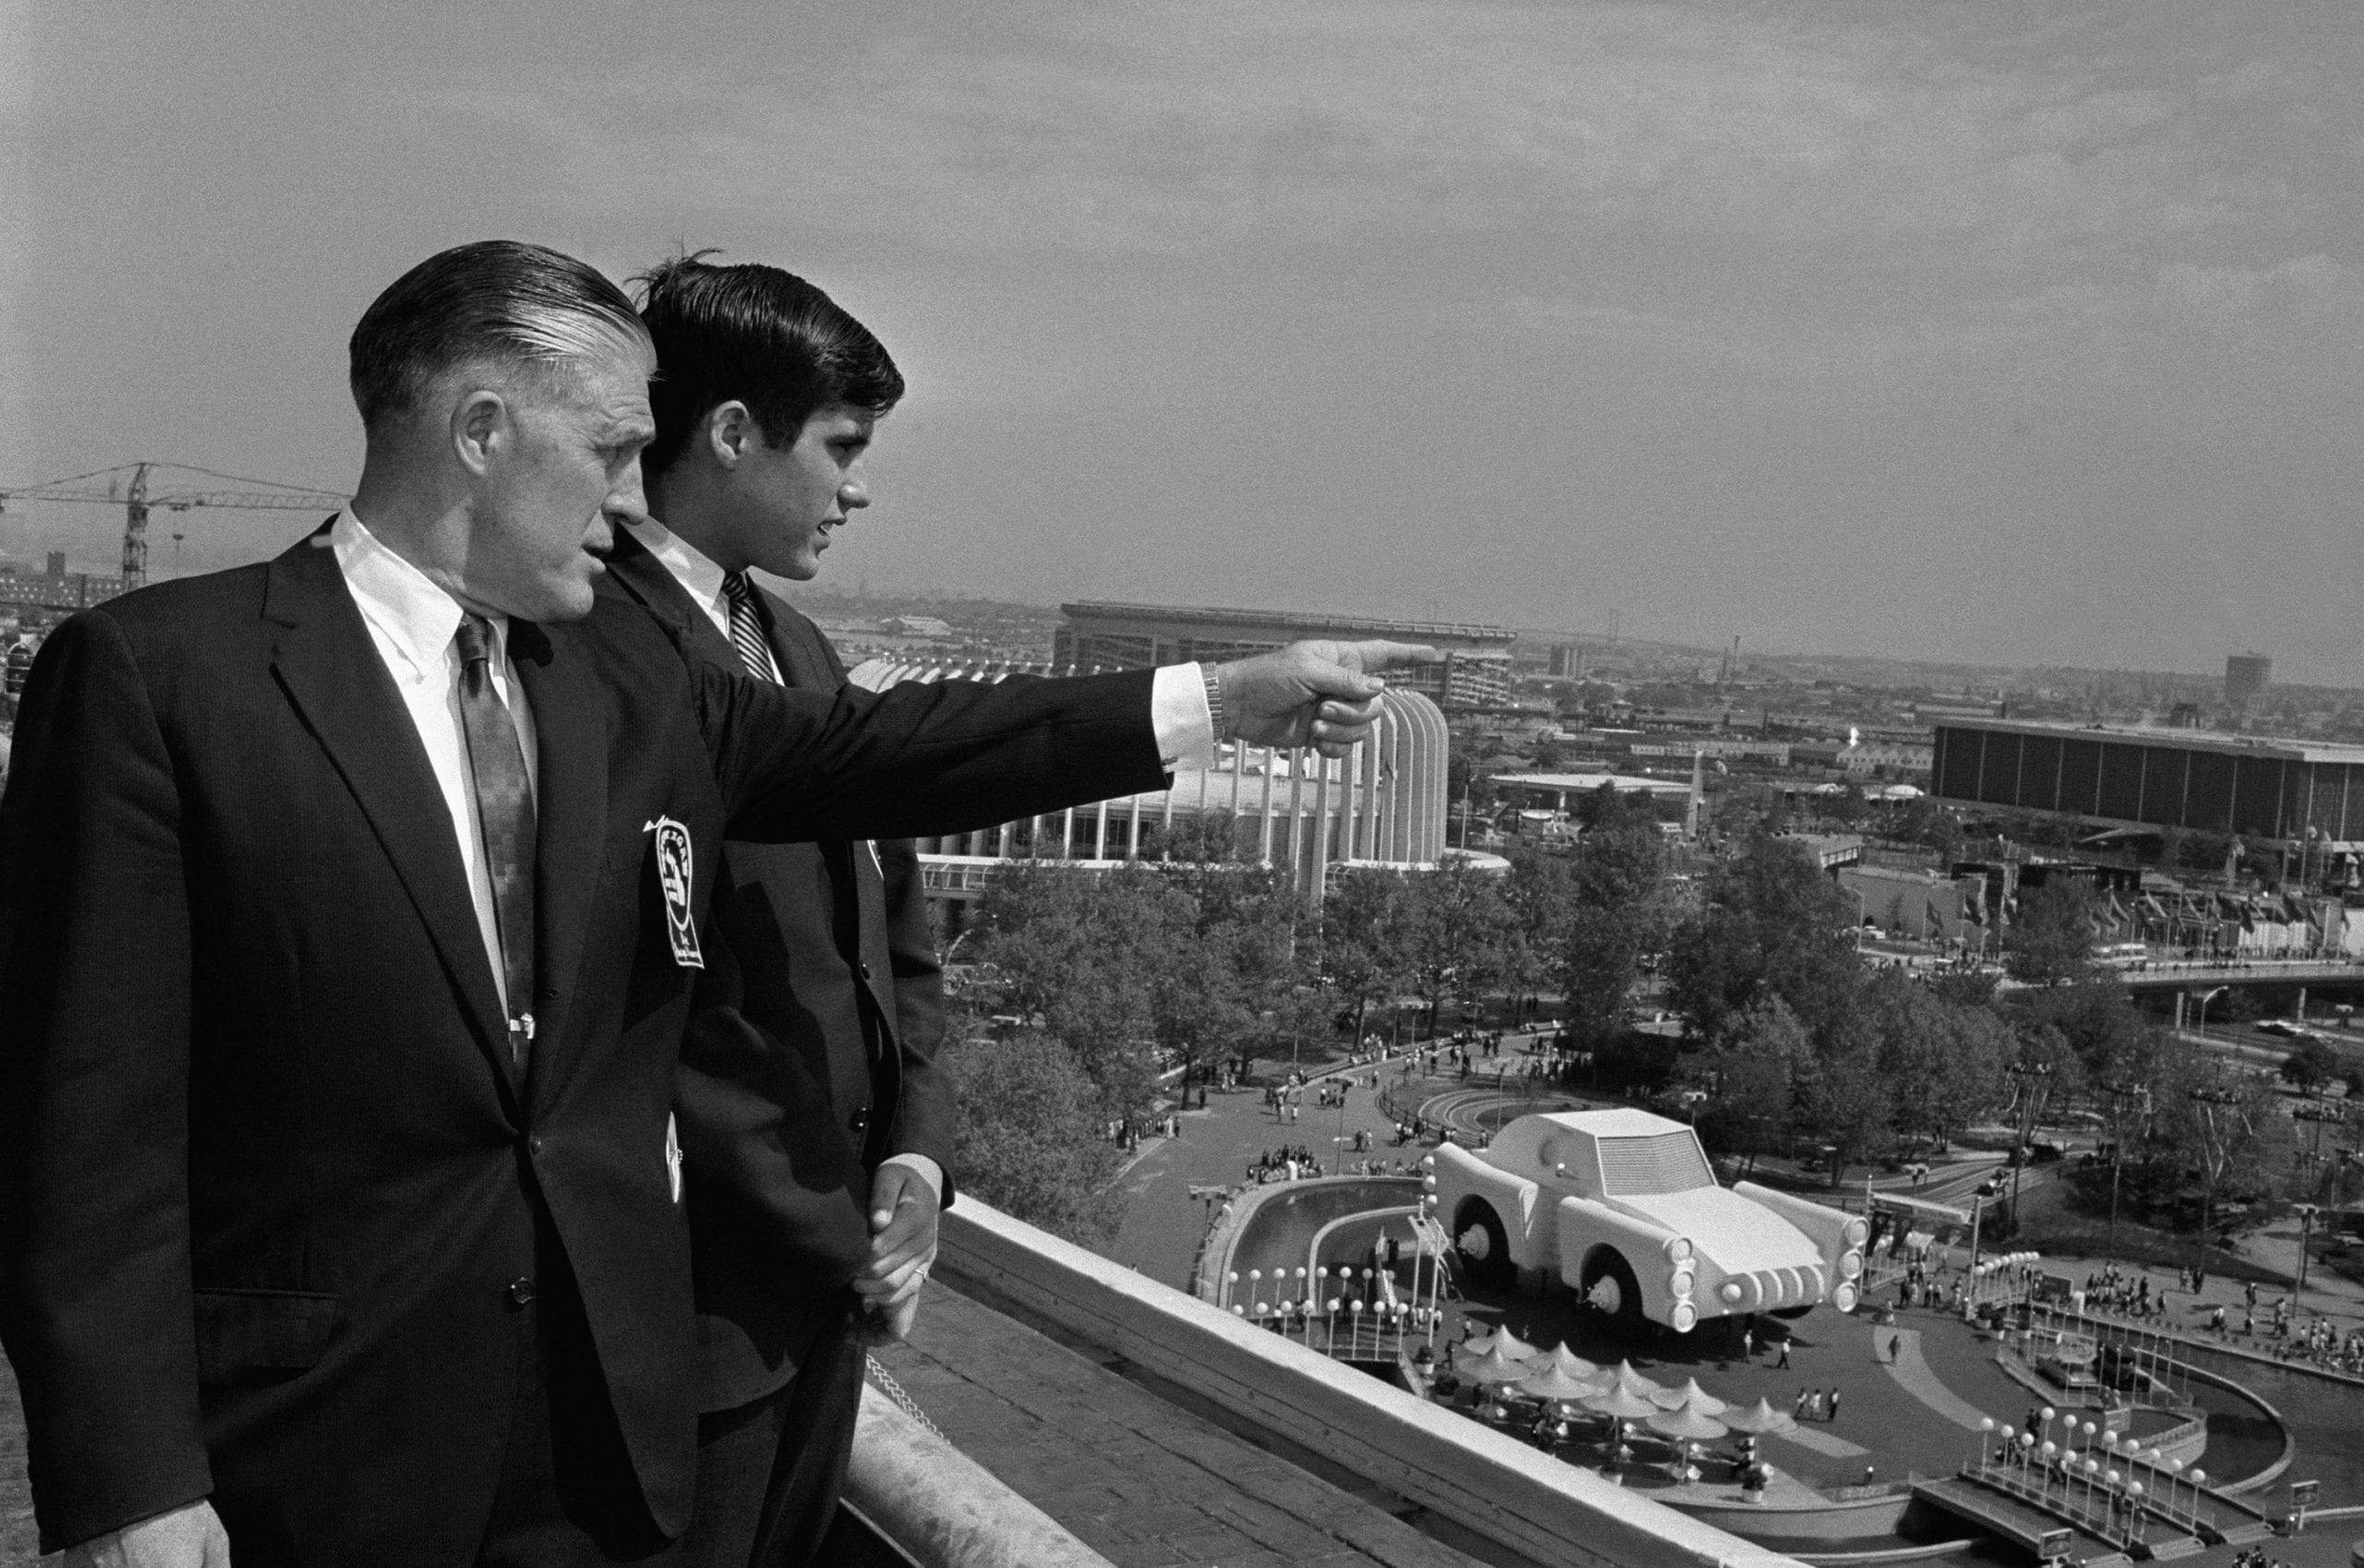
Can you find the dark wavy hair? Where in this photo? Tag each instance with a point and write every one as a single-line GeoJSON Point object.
{"type": "Point", "coordinates": [498, 301]}
{"type": "Point", "coordinates": [755, 333]}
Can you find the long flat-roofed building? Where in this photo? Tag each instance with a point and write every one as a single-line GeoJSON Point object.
{"type": "Point", "coordinates": [1562, 791]}
{"type": "Point", "coordinates": [1476, 673]}
{"type": "Point", "coordinates": [2268, 790]}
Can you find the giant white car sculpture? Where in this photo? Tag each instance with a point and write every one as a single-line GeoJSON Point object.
{"type": "Point", "coordinates": [1622, 1205]}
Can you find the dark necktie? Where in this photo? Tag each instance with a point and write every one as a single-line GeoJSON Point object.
{"type": "Point", "coordinates": [506, 814]}
{"type": "Point", "coordinates": [747, 627]}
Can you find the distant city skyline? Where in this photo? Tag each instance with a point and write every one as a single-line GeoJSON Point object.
{"type": "Point", "coordinates": [2022, 334]}
{"type": "Point", "coordinates": [1592, 639]}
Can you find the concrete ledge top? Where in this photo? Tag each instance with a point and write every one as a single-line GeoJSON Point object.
{"type": "Point", "coordinates": [1141, 1481]}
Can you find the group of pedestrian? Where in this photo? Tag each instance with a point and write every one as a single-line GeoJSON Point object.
{"type": "Point", "coordinates": [1815, 1405]}
{"type": "Point", "coordinates": [1127, 1132]}
{"type": "Point", "coordinates": [2112, 1290]}
{"type": "Point", "coordinates": [1285, 1164]}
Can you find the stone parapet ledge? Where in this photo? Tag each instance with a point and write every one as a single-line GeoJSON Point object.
{"type": "Point", "coordinates": [941, 1507]}
{"type": "Point", "coordinates": [1542, 1509]}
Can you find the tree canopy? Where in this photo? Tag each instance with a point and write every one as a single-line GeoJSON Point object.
{"type": "Point", "coordinates": [2051, 939]}
{"type": "Point", "coordinates": [1769, 921]}
{"type": "Point", "coordinates": [1029, 1135]}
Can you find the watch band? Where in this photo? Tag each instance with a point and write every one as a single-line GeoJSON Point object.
{"type": "Point", "coordinates": [1214, 698]}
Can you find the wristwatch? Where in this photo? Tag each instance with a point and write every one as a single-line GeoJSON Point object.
{"type": "Point", "coordinates": [1214, 697]}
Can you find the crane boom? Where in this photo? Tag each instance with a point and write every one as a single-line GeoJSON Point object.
{"type": "Point", "coordinates": [138, 501]}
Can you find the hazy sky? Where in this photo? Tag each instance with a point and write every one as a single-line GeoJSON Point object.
{"type": "Point", "coordinates": [1995, 331]}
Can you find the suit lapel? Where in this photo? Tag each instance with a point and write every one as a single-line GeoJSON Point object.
{"type": "Point", "coordinates": [570, 819]}
{"type": "Point", "coordinates": [646, 579]}
{"type": "Point", "coordinates": [333, 673]}
{"type": "Point", "coordinates": [802, 664]}
{"type": "Point", "coordinates": [807, 661]}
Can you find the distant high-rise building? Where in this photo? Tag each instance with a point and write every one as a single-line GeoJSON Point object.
{"type": "Point", "coordinates": [1567, 659]}
{"type": "Point", "coordinates": [1475, 677]}
{"type": "Point", "coordinates": [1476, 673]}
{"type": "Point", "coordinates": [2246, 675]}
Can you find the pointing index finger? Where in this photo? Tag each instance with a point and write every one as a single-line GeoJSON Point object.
{"type": "Point", "coordinates": [1378, 655]}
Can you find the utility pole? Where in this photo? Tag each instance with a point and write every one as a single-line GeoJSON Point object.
{"type": "Point", "coordinates": [2306, 1212]}
{"type": "Point", "coordinates": [2211, 1101]}
{"type": "Point", "coordinates": [2031, 1076]}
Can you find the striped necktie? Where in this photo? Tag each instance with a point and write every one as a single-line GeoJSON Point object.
{"type": "Point", "coordinates": [505, 818]}
{"type": "Point", "coordinates": [747, 627]}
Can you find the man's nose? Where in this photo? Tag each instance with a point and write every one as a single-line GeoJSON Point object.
{"type": "Point", "coordinates": [854, 492]}
{"type": "Point", "coordinates": [627, 503]}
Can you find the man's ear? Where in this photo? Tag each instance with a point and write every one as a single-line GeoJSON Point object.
{"type": "Point", "coordinates": [479, 429]}
{"type": "Point", "coordinates": [730, 431]}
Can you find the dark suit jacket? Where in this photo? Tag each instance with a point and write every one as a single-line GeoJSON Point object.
{"type": "Point", "coordinates": [265, 1184]}
{"type": "Point", "coordinates": [808, 1060]}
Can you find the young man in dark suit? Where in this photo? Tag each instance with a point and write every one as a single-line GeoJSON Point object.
{"type": "Point", "coordinates": [348, 910]}
{"type": "Point", "coordinates": [817, 1125]}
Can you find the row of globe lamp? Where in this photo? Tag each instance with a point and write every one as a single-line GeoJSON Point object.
{"type": "Point", "coordinates": [2003, 1264]}
{"type": "Point", "coordinates": [2081, 1462]}
{"type": "Point", "coordinates": [1384, 1314]}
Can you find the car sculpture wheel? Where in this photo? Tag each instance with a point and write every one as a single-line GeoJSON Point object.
{"type": "Point", "coordinates": [1483, 1242]}
{"type": "Point", "coordinates": [1608, 1286]}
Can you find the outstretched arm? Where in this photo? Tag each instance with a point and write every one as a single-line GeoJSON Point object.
{"type": "Point", "coordinates": [951, 756]}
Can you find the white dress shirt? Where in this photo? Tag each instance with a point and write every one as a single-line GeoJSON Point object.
{"type": "Point", "coordinates": [413, 622]}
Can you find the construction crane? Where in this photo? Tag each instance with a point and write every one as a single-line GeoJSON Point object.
{"type": "Point", "coordinates": [139, 498]}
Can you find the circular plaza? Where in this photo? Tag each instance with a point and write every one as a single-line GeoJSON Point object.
{"type": "Point", "coordinates": [1892, 1432]}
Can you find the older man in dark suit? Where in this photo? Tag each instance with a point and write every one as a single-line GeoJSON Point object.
{"type": "Point", "coordinates": [348, 910]}
{"type": "Point", "coordinates": [818, 1125]}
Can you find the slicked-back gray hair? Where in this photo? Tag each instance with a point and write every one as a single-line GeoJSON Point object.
{"type": "Point", "coordinates": [497, 301]}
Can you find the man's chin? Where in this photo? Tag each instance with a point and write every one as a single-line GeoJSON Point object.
{"type": "Point", "coordinates": [569, 600]}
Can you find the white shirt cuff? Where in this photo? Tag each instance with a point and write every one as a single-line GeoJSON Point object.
{"type": "Point", "coordinates": [1178, 716]}
{"type": "Point", "coordinates": [927, 1169]}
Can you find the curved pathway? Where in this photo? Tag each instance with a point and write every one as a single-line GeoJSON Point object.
{"type": "Point", "coordinates": [1913, 1372]}
{"type": "Point", "coordinates": [1465, 1110]}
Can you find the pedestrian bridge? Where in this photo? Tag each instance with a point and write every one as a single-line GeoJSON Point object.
{"type": "Point", "coordinates": [2161, 975]}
